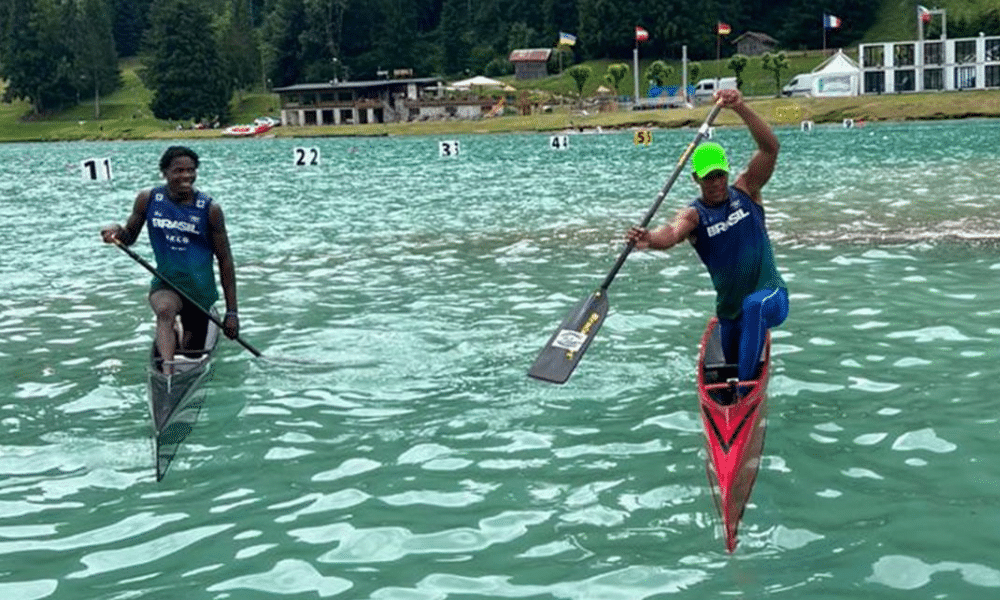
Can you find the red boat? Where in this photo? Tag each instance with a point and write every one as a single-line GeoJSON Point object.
{"type": "Point", "coordinates": [247, 130]}
{"type": "Point", "coordinates": [734, 429]}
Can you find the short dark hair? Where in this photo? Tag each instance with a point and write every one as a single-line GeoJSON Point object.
{"type": "Point", "coordinates": [175, 151]}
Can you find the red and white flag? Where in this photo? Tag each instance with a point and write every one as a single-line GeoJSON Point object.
{"type": "Point", "coordinates": [641, 35]}
{"type": "Point", "coordinates": [925, 15]}
{"type": "Point", "coordinates": [723, 28]}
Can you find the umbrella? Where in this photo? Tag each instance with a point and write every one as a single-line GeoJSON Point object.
{"type": "Point", "coordinates": [477, 81]}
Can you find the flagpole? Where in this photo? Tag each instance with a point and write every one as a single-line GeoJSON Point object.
{"type": "Point", "coordinates": [684, 73]}
{"type": "Point", "coordinates": [718, 46]}
{"type": "Point", "coordinates": [635, 62]}
{"type": "Point", "coordinates": [824, 35]}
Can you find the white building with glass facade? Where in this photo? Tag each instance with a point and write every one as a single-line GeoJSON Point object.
{"type": "Point", "coordinates": [918, 66]}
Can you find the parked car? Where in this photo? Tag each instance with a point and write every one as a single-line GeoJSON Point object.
{"type": "Point", "coordinates": [704, 89]}
{"type": "Point", "coordinates": [800, 85]}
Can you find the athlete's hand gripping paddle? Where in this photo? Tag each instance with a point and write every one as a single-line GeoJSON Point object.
{"type": "Point", "coordinates": [556, 361]}
{"type": "Point", "coordinates": [153, 270]}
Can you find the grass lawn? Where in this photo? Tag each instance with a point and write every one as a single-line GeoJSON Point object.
{"type": "Point", "coordinates": [756, 81]}
{"type": "Point", "coordinates": [125, 114]}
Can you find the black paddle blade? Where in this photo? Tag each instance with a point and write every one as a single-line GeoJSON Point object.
{"type": "Point", "coordinates": [565, 348]}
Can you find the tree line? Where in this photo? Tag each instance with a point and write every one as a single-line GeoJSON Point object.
{"type": "Point", "coordinates": [195, 54]}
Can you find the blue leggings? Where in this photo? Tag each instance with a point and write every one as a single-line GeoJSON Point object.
{"type": "Point", "coordinates": [744, 336]}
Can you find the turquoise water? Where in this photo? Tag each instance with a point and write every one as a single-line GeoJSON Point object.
{"type": "Point", "coordinates": [390, 446]}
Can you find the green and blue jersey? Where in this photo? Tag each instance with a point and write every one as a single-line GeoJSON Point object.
{"type": "Point", "coordinates": [182, 244]}
{"type": "Point", "coordinates": [731, 239]}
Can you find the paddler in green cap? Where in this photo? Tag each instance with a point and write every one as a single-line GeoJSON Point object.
{"type": "Point", "coordinates": [726, 227]}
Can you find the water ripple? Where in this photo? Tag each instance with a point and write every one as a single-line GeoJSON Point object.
{"type": "Point", "coordinates": [389, 445]}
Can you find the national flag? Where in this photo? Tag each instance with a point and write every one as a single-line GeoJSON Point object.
{"type": "Point", "coordinates": [641, 35]}
{"type": "Point", "coordinates": [831, 22]}
{"type": "Point", "coordinates": [723, 28]}
{"type": "Point", "coordinates": [925, 15]}
{"type": "Point", "coordinates": [566, 39]}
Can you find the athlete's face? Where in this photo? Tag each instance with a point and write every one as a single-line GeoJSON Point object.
{"type": "Point", "coordinates": [181, 175]}
{"type": "Point", "coordinates": [713, 187]}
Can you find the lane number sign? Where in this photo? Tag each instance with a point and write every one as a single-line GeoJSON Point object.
{"type": "Point", "coordinates": [449, 149]}
{"type": "Point", "coordinates": [642, 137]}
{"type": "Point", "coordinates": [96, 169]}
{"type": "Point", "coordinates": [306, 157]}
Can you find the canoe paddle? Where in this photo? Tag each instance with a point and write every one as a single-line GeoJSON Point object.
{"type": "Point", "coordinates": [184, 294]}
{"type": "Point", "coordinates": [556, 361]}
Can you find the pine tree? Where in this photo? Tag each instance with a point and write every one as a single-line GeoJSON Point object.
{"type": "Point", "coordinates": [96, 59]}
{"type": "Point", "coordinates": [282, 45]}
{"type": "Point", "coordinates": [238, 45]}
{"type": "Point", "coordinates": [181, 64]}
{"type": "Point", "coordinates": [130, 21]}
{"type": "Point", "coordinates": [38, 62]}
{"type": "Point", "coordinates": [454, 35]}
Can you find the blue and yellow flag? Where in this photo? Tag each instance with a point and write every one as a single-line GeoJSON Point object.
{"type": "Point", "coordinates": [566, 39]}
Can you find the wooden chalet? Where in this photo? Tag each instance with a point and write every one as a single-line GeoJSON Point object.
{"type": "Point", "coordinates": [530, 63]}
{"type": "Point", "coordinates": [755, 43]}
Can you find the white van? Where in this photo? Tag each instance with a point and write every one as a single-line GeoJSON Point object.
{"type": "Point", "coordinates": [706, 87]}
{"type": "Point", "coordinates": [800, 85]}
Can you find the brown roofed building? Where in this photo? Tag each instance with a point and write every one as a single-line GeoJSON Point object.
{"type": "Point", "coordinates": [754, 43]}
{"type": "Point", "coordinates": [530, 63]}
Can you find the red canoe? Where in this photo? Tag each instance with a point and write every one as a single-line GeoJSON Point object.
{"type": "Point", "coordinates": [734, 431]}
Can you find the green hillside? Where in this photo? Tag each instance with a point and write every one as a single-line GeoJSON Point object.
{"type": "Point", "coordinates": [756, 81]}
{"type": "Point", "coordinates": [125, 113]}
{"type": "Point", "coordinates": [896, 20]}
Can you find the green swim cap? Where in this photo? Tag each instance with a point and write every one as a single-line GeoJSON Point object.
{"type": "Point", "coordinates": [709, 157]}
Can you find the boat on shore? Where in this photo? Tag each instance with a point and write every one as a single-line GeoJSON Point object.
{"type": "Point", "coordinates": [175, 400]}
{"type": "Point", "coordinates": [734, 427]}
{"type": "Point", "coordinates": [255, 128]}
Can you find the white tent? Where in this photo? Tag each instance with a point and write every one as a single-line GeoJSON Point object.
{"type": "Point", "coordinates": [838, 75]}
{"type": "Point", "coordinates": [477, 81]}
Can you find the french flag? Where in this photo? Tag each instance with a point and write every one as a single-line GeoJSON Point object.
{"type": "Point", "coordinates": [831, 22]}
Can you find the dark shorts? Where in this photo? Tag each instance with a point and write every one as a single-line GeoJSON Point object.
{"type": "Point", "coordinates": [193, 320]}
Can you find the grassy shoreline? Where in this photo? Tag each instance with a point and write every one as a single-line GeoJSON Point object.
{"type": "Point", "coordinates": [777, 111]}
{"type": "Point", "coordinates": [124, 115]}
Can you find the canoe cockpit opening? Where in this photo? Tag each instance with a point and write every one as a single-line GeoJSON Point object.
{"type": "Point", "coordinates": [717, 371]}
